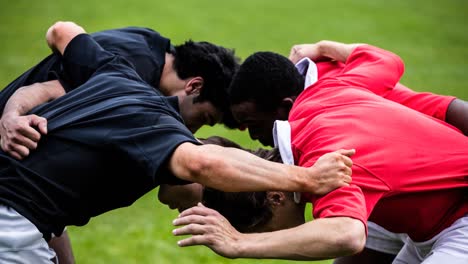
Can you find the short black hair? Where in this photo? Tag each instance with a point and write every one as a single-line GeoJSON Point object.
{"type": "Point", "coordinates": [265, 79]}
{"type": "Point", "coordinates": [216, 65]}
{"type": "Point", "coordinates": [244, 210]}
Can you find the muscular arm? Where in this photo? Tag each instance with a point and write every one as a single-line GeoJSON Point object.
{"type": "Point", "coordinates": [319, 239]}
{"type": "Point", "coordinates": [230, 169]}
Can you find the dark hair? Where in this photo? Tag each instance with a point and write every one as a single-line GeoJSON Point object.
{"type": "Point", "coordinates": [216, 65]}
{"type": "Point", "coordinates": [244, 210]}
{"type": "Point", "coordinates": [265, 78]}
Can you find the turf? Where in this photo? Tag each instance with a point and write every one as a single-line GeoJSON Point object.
{"type": "Point", "coordinates": [429, 35]}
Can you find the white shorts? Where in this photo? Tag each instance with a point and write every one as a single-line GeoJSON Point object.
{"type": "Point", "coordinates": [21, 241]}
{"type": "Point", "coordinates": [449, 246]}
{"type": "Point", "coordinates": [382, 240]}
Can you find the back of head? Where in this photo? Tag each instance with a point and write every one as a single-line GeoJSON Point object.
{"type": "Point", "coordinates": [244, 210]}
{"type": "Point", "coordinates": [216, 65]}
{"type": "Point", "coordinates": [265, 78]}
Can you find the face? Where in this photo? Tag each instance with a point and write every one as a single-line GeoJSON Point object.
{"type": "Point", "coordinates": [197, 114]}
{"type": "Point", "coordinates": [260, 124]}
{"type": "Point", "coordinates": [180, 197]}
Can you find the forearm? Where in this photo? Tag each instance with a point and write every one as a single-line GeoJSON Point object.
{"type": "Point", "coordinates": [335, 50]}
{"type": "Point", "coordinates": [319, 239]}
{"type": "Point", "coordinates": [28, 97]}
{"type": "Point", "coordinates": [230, 169]}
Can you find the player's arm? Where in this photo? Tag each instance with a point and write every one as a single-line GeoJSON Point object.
{"type": "Point", "coordinates": [82, 56]}
{"type": "Point", "coordinates": [319, 239]}
{"type": "Point", "coordinates": [322, 49]}
{"type": "Point", "coordinates": [457, 115]}
{"type": "Point", "coordinates": [20, 133]}
{"type": "Point", "coordinates": [230, 169]}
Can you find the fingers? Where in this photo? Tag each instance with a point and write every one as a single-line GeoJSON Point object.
{"type": "Point", "coordinates": [194, 241]}
{"type": "Point", "coordinates": [39, 122]}
{"type": "Point", "coordinates": [294, 54]}
{"type": "Point", "coordinates": [18, 135]}
{"type": "Point", "coordinates": [17, 151]}
{"type": "Point", "coordinates": [198, 210]}
{"type": "Point", "coordinates": [346, 152]}
{"type": "Point", "coordinates": [191, 219]}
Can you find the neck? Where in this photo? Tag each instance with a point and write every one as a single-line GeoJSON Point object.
{"type": "Point", "coordinates": [170, 84]}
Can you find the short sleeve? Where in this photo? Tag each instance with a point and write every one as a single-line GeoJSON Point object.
{"type": "Point", "coordinates": [144, 48]}
{"type": "Point", "coordinates": [152, 145]}
{"type": "Point", "coordinates": [350, 201]}
{"type": "Point", "coordinates": [428, 103]}
{"type": "Point", "coordinates": [372, 68]}
{"type": "Point", "coordinates": [83, 57]}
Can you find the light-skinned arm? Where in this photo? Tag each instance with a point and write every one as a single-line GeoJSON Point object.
{"type": "Point", "coordinates": [18, 133]}
{"type": "Point", "coordinates": [234, 170]}
{"type": "Point", "coordinates": [322, 49]}
{"type": "Point", "coordinates": [323, 238]}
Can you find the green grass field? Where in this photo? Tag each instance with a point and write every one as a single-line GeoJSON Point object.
{"type": "Point", "coordinates": [429, 35]}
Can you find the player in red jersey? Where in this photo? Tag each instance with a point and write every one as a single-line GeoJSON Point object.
{"type": "Point", "coordinates": [395, 168]}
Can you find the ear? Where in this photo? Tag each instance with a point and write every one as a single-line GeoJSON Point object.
{"type": "Point", "coordinates": [284, 107]}
{"type": "Point", "coordinates": [194, 85]}
{"type": "Point", "coordinates": [276, 198]}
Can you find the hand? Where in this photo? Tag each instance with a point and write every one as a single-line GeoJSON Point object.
{"type": "Point", "coordinates": [17, 133]}
{"type": "Point", "coordinates": [334, 170]}
{"type": "Point", "coordinates": [300, 51]}
{"type": "Point", "coordinates": [209, 228]}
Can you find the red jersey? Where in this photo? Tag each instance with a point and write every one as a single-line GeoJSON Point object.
{"type": "Point", "coordinates": [410, 170]}
{"type": "Point", "coordinates": [428, 103]}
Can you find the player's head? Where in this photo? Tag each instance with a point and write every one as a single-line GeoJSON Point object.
{"type": "Point", "coordinates": [213, 67]}
{"type": "Point", "coordinates": [263, 90]}
{"type": "Point", "coordinates": [257, 211]}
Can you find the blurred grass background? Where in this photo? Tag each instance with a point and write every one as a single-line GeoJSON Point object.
{"type": "Point", "coordinates": [429, 35]}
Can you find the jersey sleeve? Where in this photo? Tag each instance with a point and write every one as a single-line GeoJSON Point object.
{"type": "Point", "coordinates": [428, 103]}
{"type": "Point", "coordinates": [84, 57]}
{"type": "Point", "coordinates": [144, 48]}
{"type": "Point", "coordinates": [151, 146]}
{"type": "Point", "coordinates": [350, 201]}
{"type": "Point", "coordinates": [372, 68]}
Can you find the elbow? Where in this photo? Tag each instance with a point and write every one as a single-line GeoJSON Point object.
{"type": "Point", "coordinates": [353, 238]}
{"type": "Point", "coordinates": [54, 34]}
{"type": "Point", "coordinates": [200, 164]}
{"type": "Point", "coordinates": [61, 33]}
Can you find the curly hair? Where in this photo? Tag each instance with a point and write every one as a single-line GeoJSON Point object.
{"type": "Point", "coordinates": [216, 65]}
{"type": "Point", "coordinates": [265, 78]}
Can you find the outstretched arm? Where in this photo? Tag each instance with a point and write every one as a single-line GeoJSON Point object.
{"type": "Point", "coordinates": [319, 239]}
{"type": "Point", "coordinates": [230, 169]}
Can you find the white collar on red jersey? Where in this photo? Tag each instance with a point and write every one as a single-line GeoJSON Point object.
{"type": "Point", "coordinates": [308, 69]}
{"type": "Point", "coordinates": [282, 129]}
